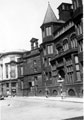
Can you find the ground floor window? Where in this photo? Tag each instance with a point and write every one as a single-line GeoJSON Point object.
{"type": "Point", "coordinates": [71, 92]}
{"type": "Point", "coordinates": [55, 92]}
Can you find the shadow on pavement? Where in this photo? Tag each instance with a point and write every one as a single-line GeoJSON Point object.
{"type": "Point", "coordinates": [76, 118]}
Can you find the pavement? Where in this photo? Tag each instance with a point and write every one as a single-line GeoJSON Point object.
{"type": "Point", "coordinates": [65, 99]}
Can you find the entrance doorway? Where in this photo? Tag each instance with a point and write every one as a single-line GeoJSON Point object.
{"type": "Point", "coordinates": [61, 73]}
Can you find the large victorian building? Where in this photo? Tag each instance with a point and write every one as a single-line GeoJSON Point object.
{"type": "Point", "coordinates": [61, 50]}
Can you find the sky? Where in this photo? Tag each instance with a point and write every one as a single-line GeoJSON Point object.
{"type": "Point", "coordinates": [20, 21]}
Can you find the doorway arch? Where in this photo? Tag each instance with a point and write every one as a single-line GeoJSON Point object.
{"type": "Point", "coordinates": [71, 92]}
{"type": "Point", "coordinates": [61, 73]}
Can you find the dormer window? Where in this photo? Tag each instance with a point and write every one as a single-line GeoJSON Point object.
{"type": "Point", "coordinates": [48, 31]}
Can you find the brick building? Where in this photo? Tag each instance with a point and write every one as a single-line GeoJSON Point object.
{"type": "Point", "coordinates": [62, 50]}
{"type": "Point", "coordinates": [60, 54]}
{"type": "Point", "coordinates": [31, 77]}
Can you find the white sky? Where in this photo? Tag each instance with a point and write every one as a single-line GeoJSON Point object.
{"type": "Point", "coordinates": [20, 20]}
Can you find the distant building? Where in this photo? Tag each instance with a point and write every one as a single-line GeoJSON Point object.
{"type": "Point", "coordinates": [9, 73]}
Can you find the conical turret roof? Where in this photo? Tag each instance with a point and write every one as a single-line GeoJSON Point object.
{"type": "Point", "coordinates": [49, 16]}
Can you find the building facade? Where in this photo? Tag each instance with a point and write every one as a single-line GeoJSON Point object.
{"type": "Point", "coordinates": [56, 66]}
{"type": "Point", "coordinates": [9, 73]}
{"type": "Point", "coordinates": [61, 50]}
{"type": "Point", "coordinates": [31, 77]}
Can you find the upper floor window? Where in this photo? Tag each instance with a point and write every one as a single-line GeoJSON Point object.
{"type": "Point", "coordinates": [13, 84]}
{"type": "Point", "coordinates": [34, 62]}
{"type": "Point", "coordinates": [21, 70]}
{"type": "Point", "coordinates": [50, 49]}
{"type": "Point", "coordinates": [6, 70]}
{"type": "Point", "coordinates": [49, 61]}
{"type": "Point", "coordinates": [77, 67]}
{"type": "Point", "coordinates": [12, 58]}
{"type": "Point", "coordinates": [48, 31]}
{"type": "Point", "coordinates": [80, 46]}
{"type": "Point", "coordinates": [13, 71]}
{"type": "Point", "coordinates": [63, 7]}
{"type": "Point", "coordinates": [1, 71]}
{"type": "Point", "coordinates": [43, 33]}
{"type": "Point", "coordinates": [45, 61]}
{"type": "Point", "coordinates": [65, 45]}
{"type": "Point", "coordinates": [73, 41]}
{"type": "Point", "coordinates": [59, 48]}
{"type": "Point", "coordinates": [56, 50]}
{"type": "Point", "coordinates": [76, 4]}
{"type": "Point", "coordinates": [44, 51]}
{"type": "Point", "coordinates": [35, 69]}
{"type": "Point", "coordinates": [79, 28]}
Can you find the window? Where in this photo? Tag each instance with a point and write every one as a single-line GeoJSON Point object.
{"type": "Point", "coordinates": [65, 45]}
{"type": "Point", "coordinates": [63, 7]}
{"type": "Point", "coordinates": [46, 76]}
{"type": "Point", "coordinates": [21, 70]}
{"type": "Point", "coordinates": [50, 75]}
{"type": "Point", "coordinates": [13, 71]}
{"type": "Point", "coordinates": [79, 29]}
{"type": "Point", "coordinates": [43, 33]}
{"type": "Point", "coordinates": [76, 59]}
{"type": "Point", "coordinates": [45, 61]}
{"type": "Point", "coordinates": [13, 84]}
{"type": "Point", "coordinates": [59, 48]}
{"type": "Point", "coordinates": [80, 46]}
{"type": "Point", "coordinates": [12, 58]}
{"type": "Point", "coordinates": [50, 49]}
{"type": "Point", "coordinates": [56, 51]}
{"type": "Point", "coordinates": [7, 84]}
{"type": "Point", "coordinates": [49, 61]}
{"type": "Point", "coordinates": [75, 5]}
{"type": "Point", "coordinates": [6, 70]}
{"type": "Point", "coordinates": [1, 71]}
{"type": "Point", "coordinates": [36, 80]}
{"type": "Point", "coordinates": [35, 69]}
{"type": "Point", "coordinates": [77, 68]}
{"type": "Point", "coordinates": [77, 2]}
{"type": "Point", "coordinates": [48, 31]}
{"type": "Point", "coordinates": [44, 51]}
{"type": "Point", "coordinates": [69, 70]}
{"type": "Point", "coordinates": [73, 41]}
{"type": "Point", "coordinates": [34, 62]}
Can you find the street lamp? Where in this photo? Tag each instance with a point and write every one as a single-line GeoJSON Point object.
{"type": "Point", "coordinates": [60, 80]}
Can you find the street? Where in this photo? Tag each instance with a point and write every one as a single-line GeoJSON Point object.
{"type": "Point", "coordinates": [24, 108]}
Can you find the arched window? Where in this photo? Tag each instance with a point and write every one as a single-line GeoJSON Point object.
{"type": "Point", "coordinates": [59, 48]}
{"type": "Point", "coordinates": [73, 41]}
{"type": "Point", "coordinates": [71, 92]}
{"type": "Point", "coordinates": [55, 92]}
{"type": "Point", "coordinates": [65, 45]}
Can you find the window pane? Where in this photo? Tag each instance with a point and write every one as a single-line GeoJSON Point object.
{"type": "Point", "coordinates": [78, 76]}
{"type": "Point", "coordinates": [50, 49]}
{"type": "Point", "coordinates": [77, 67]}
{"type": "Point", "coordinates": [49, 30]}
{"type": "Point", "coordinates": [76, 59]}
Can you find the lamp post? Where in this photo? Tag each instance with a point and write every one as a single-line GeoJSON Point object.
{"type": "Point", "coordinates": [60, 80]}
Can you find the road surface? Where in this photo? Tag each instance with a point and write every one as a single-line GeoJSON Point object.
{"type": "Point", "coordinates": [25, 108]}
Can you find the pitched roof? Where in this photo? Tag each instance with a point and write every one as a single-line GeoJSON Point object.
{"type": "Point", "coordinates": [49, 16]}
